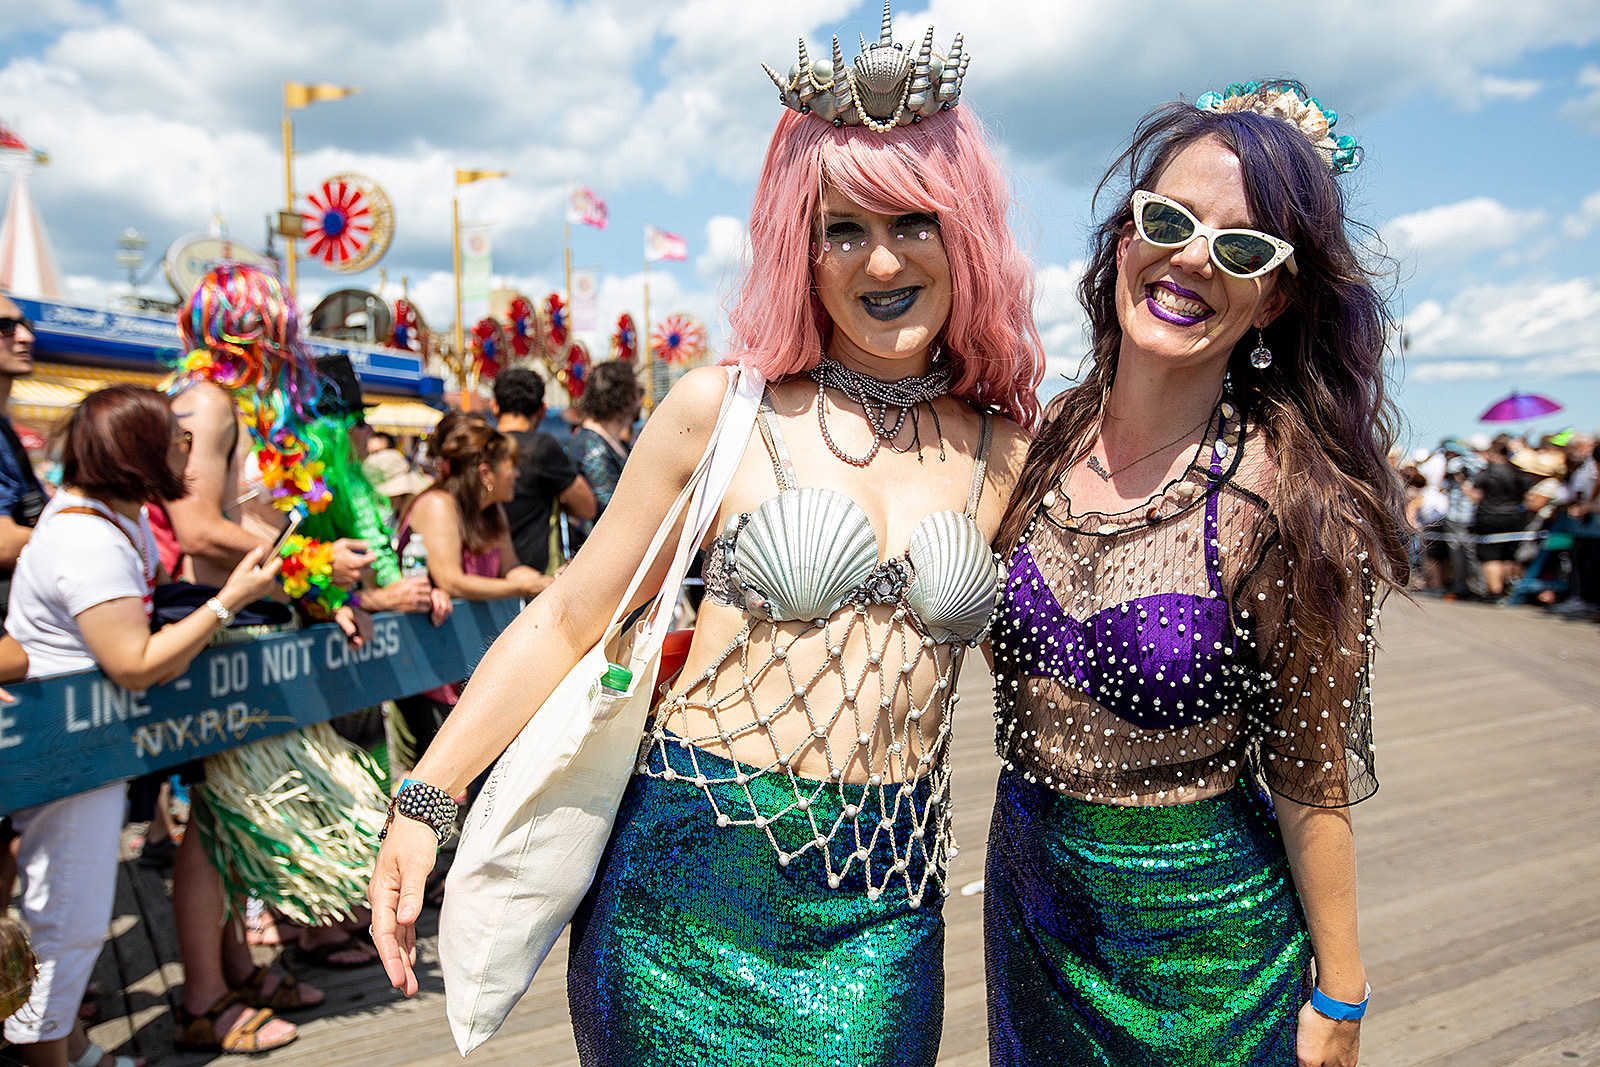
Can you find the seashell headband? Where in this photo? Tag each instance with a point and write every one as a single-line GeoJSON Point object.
{"type": "Point", "coordinates": [1289, 101]}
{"type": "Point", "coordinates": [887, 86]}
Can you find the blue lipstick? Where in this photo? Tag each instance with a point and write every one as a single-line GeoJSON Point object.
{"type": "Point", "coordinates": [890, 305]}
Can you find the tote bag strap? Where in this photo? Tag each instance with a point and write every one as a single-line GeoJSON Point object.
{"type": "Point", "coordinates": [699, 499]}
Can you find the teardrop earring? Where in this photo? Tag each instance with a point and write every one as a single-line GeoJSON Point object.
{"type": "Point", "coordinates": [1260, 355]}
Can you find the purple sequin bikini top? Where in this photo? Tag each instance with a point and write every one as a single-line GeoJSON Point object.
{"type": "Point", "coordinates": [1160, 661]}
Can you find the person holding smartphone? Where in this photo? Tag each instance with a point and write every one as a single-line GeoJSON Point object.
{"type": "Point", "coordinates": [83, 597]}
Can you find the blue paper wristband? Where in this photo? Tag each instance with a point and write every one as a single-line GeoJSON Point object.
{"type": "Point", "coordinates": [1339, 1010]}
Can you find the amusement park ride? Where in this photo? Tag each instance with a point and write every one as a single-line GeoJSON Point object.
{"type": "Point", "coordinates": [347, 225]}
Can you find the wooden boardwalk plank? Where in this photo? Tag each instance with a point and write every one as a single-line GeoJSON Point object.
{"type": "Point", "coordinates": [1478, 868]}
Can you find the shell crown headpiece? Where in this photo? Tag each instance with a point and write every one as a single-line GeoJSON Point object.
{"type": "Point", "coordinates": [1289, 101]}
{"type": "Point", "coordinates": [886, 87]}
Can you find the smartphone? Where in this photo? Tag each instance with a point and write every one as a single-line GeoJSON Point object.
{"type": "Point", "coordinates": [283, 538]}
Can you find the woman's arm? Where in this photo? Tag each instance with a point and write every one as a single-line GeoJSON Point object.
{"type": "Point", "coordinates": [118, 634]}
{"type": "Point", "coordinates": [1322, 859]}
{"type": "Point", "coordinates": [544, 642]}
{"type": "Point", "coordinates": [436, 520]}
{"type": "Point", "coordinates": [13, 659]}
{"type": "Point", "coordinates": [1317, 759]}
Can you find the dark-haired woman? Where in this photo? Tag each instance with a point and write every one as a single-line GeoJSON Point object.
{"type": "Point", "coordinates": [461, 520]}
{"type": "Point", "coordinates": [81, 598]}
{"type": "Point", "coordinates": [1201, 535]}
{"type": "Point", "coordinates": [610, 406]}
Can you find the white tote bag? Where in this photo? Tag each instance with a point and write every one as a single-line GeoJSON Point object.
{"type": "Point", "coordinates": [534, 836]}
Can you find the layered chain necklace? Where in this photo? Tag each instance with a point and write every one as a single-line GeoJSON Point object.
{"type": "Point", "coordinates": [876, 397]}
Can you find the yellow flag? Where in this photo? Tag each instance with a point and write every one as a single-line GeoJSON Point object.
{"type": "Point", "coordinates": [299, 94]}
{"type": "Point", "coordinates": [465, 177]}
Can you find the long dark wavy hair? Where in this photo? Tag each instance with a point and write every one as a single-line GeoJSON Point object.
{"type": "Point", "coordinates": [1322, 406]}
{"type": "Point", "coordinates": [461, 441]}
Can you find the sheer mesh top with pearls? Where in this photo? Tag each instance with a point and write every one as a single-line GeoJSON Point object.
{"type": "Point", "coordinates": [839, 685]}
{"type": "Point", "coordinates": [1151, 657]}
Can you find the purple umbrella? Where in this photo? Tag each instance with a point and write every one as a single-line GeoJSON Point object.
{"type": "Point", "coordinates": [1519, 406]}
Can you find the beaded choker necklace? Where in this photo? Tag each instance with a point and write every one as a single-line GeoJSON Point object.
{"type": "Point", "coordinates": [876, 397]}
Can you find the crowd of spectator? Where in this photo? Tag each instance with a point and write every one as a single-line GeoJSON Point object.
{"type": "Point", "coordinates": [146, 536]}
{"type": "Point", "coordinates": [1508, 519]}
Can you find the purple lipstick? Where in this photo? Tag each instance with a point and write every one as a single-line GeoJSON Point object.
{"type": "Point", "coordinates": [1175, 304]}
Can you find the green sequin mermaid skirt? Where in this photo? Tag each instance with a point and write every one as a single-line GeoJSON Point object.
{"type": "Point", "coordinates": [695, 946]}
{"type": "Point", "coordinates": [1141, 937]}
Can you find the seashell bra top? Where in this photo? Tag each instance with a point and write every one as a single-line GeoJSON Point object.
{"type": "Point", "coordinates": [1151, 657]}
{"type": "Point", "coordinates": [846, 673]}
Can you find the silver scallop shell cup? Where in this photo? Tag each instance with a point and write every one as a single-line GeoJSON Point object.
{"type": "Point", "coordinates": [886, 87]}
{"type": "Point", "coordinates": [957, 582]}
{"type": "Point", "coordinates": [806, 550]}
{"type": "Point", "coordinates": [803, 554]}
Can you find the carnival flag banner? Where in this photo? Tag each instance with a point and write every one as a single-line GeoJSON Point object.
{"type": "Point", "coordinates": [585, 208]}
{"type": "Point", "coordinates": [585, 300]}
{"type": "Point", "coordinates": [477, 266]}
{"type": "Point", "coordinates": [659, 244]}
{"type": "Point", "coordinates": [299, 94]}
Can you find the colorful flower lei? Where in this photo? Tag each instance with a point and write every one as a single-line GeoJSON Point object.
{"type": "Point", "coordinates": [292, 476]}
{"type": "Point", "coordinates": [308, 573]}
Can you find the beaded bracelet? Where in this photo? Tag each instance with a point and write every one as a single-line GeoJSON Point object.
{"type": "Point", "coordinates": [426, 804]}
{"type": "Point", "coordinates": [1339, 1010]}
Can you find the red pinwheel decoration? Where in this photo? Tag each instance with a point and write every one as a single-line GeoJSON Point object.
{"type": "Point", "coordinates": [625, 342]}
{"type": "Point", "coordinates": [555, 312]}
{"type": "Point", "coordinates": [410, 333]}
{"type": "Point", "coordinates": [488, 346]}
{"type": "Point", "coordinates": [350, 224]}
{"type": "Point", "coordinates": [524, 326]}
{"type": "Point", "coordinates": [679, 339]}
{"type": "Point", "coordinates": [575, 375]}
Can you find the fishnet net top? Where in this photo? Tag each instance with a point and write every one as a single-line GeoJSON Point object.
{"type": "Point", "coordinates": [849, 715]}
{"type": "Point", "coordinates": [1152, 657]}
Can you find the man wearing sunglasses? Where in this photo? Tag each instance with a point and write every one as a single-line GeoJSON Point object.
{"type": "Point", "coordinates": [21, 497]}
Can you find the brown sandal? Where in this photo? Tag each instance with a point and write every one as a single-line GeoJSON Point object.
{"type": "Point", "coordinates": [286, 997]}
{"type": "Point", "coordinates": [198, 1033]}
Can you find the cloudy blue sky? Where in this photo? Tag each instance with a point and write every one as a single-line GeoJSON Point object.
{"type": "Point", "coordinates": [1481, 121]}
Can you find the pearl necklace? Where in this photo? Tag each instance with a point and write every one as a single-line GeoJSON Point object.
{"type": "Point", "coordinates": [876, 397]}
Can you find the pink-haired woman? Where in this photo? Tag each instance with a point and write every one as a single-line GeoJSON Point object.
{"type": "Point", "coordinates": [771, 893]}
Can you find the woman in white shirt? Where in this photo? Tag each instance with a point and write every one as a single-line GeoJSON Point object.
{"type": "Point", "coordinates": [81, 598]}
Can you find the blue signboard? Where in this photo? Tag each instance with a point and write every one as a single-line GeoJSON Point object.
{"type": "Point", "coordinates": [74, 732]}
{"type": "Point", "coordinates": [150, 342]}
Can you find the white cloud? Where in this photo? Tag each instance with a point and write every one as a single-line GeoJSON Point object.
{"type": "Point", "coordinates": [29, 14]}
{"type": "Point", "coordinates": [1493, 87]}
{"type": "Point", "coordinates": [1584, 111]}
{"type": "Point", "coordinates": [1518, 321]}
{"type": "Point", "coordinates": [1453, 370]}
{"type": "Point", "coordinates": [727, 250]}
{"type": "Point", "coordinates": [1448, 235]}
{"type": "Point", "coordinates": [1581, 222]}
{"type": "Point", "coordinates": [1035, 59]}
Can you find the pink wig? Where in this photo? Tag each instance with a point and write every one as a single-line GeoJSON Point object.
{"type": "Point", "coordinates": [941, 166]}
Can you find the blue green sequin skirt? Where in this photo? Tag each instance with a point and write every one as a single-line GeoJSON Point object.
{"type": "Point", "coordinates": [694, 946]}
{"type": "Point", "coordinates": [1141, 936]}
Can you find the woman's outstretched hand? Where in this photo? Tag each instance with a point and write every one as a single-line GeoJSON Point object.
{"type": "Point", "coordinates": [395, 894]}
